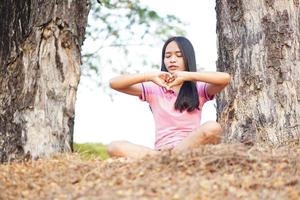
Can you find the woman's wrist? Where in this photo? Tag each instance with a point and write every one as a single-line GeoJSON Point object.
{"type": "Point", "coordinates": [147, 77]}
{"type": "Point", "coordinates": [186, 76]}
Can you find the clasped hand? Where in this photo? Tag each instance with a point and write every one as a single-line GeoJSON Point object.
{"type": "Point", "coordinates": [168, 80]}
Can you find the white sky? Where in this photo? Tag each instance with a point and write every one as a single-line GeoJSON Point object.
{"type": "Point", "coordinates": [99, 120]}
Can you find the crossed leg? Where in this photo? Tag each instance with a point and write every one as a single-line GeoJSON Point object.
{"type": "Point", "coordinates": [128, 149]}
{"type": "Point", "coordinates": [208, 133]}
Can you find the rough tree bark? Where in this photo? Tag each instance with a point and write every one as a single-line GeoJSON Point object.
{"type": "Point", "coordinates": [39, 72]}
{"type": "Point", "coordinates": [259, 46]}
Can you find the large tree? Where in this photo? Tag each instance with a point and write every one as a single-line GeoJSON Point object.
{"type": "Point", "coordinates": [39, 73]}
{"type": "Point", "coordinates": [258, 44]}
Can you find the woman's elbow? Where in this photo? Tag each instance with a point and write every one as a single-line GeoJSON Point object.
{"type": "Point", "coordinates": [227, 78]}
{"type": "Point", "coordinates": [113, 84]}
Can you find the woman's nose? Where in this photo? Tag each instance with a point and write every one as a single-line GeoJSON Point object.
{"type": "Point", "coordinates": [173, 59]}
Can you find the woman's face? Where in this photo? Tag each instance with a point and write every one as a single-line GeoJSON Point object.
{"type": "Point", "coordinates": [173, 58]}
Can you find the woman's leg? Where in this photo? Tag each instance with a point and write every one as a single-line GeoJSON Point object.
{"type": "Point", "coordinates": [128, 149]}
{"type": "Point", "coordinates": [208, 133]}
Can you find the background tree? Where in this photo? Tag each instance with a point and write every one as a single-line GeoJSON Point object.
{"type": "Point", "coordinates": [40, 65]}
{"type": "Point", "coordinates": [120, 28]}
{"type": "Point", "coordinates": [258, 44]}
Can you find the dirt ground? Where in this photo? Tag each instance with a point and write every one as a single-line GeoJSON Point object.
{"type": "Point", "coordinates": [222, 171]}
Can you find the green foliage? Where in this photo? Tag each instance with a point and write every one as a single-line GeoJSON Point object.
{"type": "Point", "coordinates": [120, 25]}
{"type": "Point", "coordinates": [91, 150]}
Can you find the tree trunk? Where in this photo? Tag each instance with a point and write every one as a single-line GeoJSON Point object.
{"type": "Point", "coordinates": [258, 44]}
{"type": "Point", "coordinates": [39, 72]}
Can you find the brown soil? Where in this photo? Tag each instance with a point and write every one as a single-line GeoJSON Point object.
{"type": "Point", "coordinates": [211, 172]}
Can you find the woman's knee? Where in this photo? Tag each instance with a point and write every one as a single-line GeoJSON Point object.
{"type": "Point", "coordinates": [115, 148]}
{"type": "Point", "coordinates": [212, 127]}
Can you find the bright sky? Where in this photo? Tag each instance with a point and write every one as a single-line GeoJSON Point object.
{"type": "Point", "coordinates": [99, 120]}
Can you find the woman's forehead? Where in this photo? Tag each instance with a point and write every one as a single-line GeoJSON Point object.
{"type": "Point", "coordinates": [172, 47]}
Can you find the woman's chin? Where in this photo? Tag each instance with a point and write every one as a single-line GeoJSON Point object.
{"type": "Point", "coordinates": [172, 70]}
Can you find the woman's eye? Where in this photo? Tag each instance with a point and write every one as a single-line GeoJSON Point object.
{"type": "Point", "coordinates": [179, 55]}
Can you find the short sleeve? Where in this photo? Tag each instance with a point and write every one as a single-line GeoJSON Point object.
{"type": "Point", "coordinates": [202, 91]}
{"type": "Point", "coordinates": [147, 91]}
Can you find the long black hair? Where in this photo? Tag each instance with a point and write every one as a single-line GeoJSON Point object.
{"type": "Point", "coordinates": [188, 95]}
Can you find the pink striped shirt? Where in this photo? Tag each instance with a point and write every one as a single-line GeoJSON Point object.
{"type": "Point", "coordinates": [171, 125]}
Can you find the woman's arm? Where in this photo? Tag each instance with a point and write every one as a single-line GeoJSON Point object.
{"type": "Point", "coordinates": [129, 84]}
{"type": "Point", "coordinates": [217, 81]}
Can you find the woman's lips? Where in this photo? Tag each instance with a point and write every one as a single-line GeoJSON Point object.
{"type": "Point", "coordinates": [172, 67]}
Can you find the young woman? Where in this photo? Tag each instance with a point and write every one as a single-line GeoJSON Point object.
{"type": "Point", "coordinates": [176, 95]}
